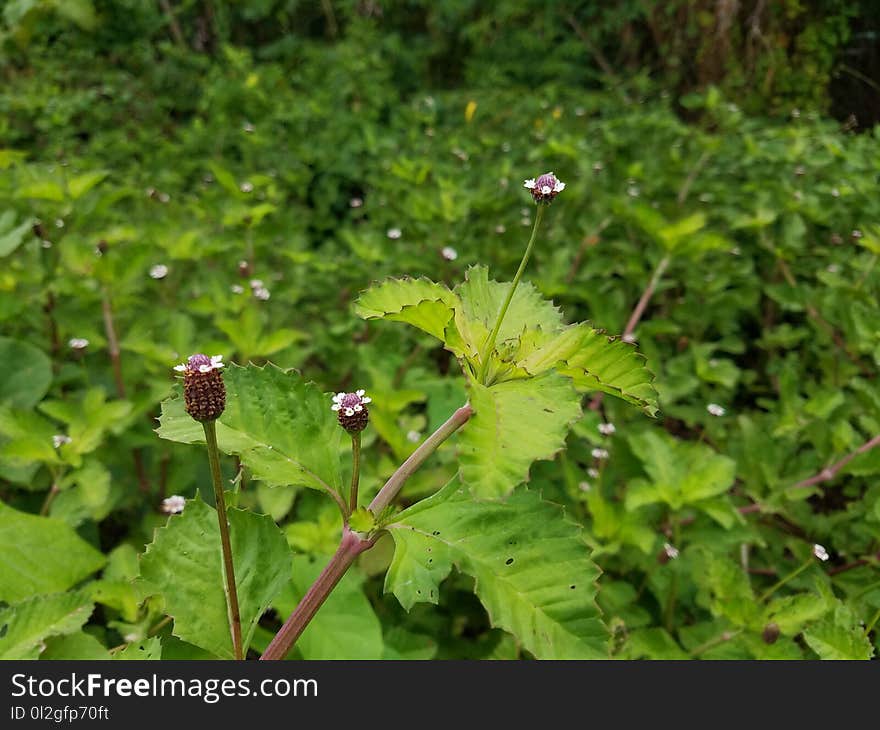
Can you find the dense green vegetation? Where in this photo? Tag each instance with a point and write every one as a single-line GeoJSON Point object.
{"type": "Point", "coordinates": [232, 181]}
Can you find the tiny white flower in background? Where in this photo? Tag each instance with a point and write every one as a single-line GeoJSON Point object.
{"type": "Point", "coordinates": [206, 367]}
{"type": "Point", "coordinates": [832, 268]}
{"type": "Point", "coordinates": [529, 184]}
{"type": "Point", "coordinates": [593, 473]}
{"type": "Point", "coordinates": [248, 127]}
{"type": "Point", "coordinates": [159, 271]}
{"type": "Point", "coordinates": [856, 233]}
{"type": "Point", "coordinates": [600, 453]}
{"type": "Point", "coordinates": [394, 233]}
{"type": "Point", "coordinates": [164, 197]}
{"type": "Point", "coordinates": [59, 223]}
{"type": "Point", "coordinates": [820, 552]}
{"type": "Point", "coordinates": [246, 187]}
{"type": "Point", "coordinates": [606, 429]}
{"type": "Point", "coordinates": [262, 293]}
{"type": "Point", "coordinates": [715, 410]}
{"type": "Point", "coordinates": [237, 289]}
{"type": "Point", "coordinates": [598, 167]}
{"type": "Point", "coordinates": [500, 228]}
{"type": "Point", "coordinates": [256, 283]}
{"type": "Point", "coordinates": [584, 486]}
{"type": "Point", "coordinates": [413, 437]}
{"type": "Point", "coordinates": [131, 638]}
{"type": "Point", "coordinates": [835, 193]}
{"type": "Point", "coordinates": [526, 221]}
{"type": "Point", "coordinates": [173, 505]}
{"type": "Point", "coordinates": [78, 343]}
{"type": "Point", "coordinates": [48, 244]}
{"type": "Point", "coordinates": [633, 191]}
{"type": "Point", "coordinates": [670, 550]}
{"type": "Point", "coordinates": [449, 253]}
{"type": "Point", "coordinates": [59, 439]}
{"type": "Point", "coordinates": [355, 202]}
{"type": "Point", "coordinates": [629, 337]}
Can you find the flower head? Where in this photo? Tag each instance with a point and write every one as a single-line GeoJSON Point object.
{"type": "Point", "coordinates": [173, 505]}
{"type": "Point", "coordinates": [159, 271]}
{"type": "Point", "coordinates": [544, 188]}
{"type": "Point", "coordinates": [715, 410]}
{"type": "Point", "coordinates": [600, 453]}
{"type": "Point", "coordinates": [351, 409]}
{"type": "Point", "coordinates": [449, 253]}
{"type": "Point", "coordinates": [203, 390]}
{"type": "Point", "coordinates": [394, 233]}
{"type": "Point", "coordinates": [820, 552]}
{"type": "Point", "coordinates": [607, 429]}
{"type": "Point", "coordinates": [78, 343]}
{"type": "Point", "coordinates": [670, 550]}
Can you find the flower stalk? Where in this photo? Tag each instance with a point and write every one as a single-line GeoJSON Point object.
{"type": "Point", "coordinates": [355, 471]}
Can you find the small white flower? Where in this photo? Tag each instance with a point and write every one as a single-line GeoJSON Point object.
{"type": "Point", "coordinates": [248, 128]}
{"type": "Point", "coordinates": [598, 167]}
{"type": "Point", "coordinates": [633, 191]}
{"type": "Point", "coordinates": [173, 505]}
{"type": "Point", "coordinates": [629, 337]}
{"type": "Point", "coordinates": [593, 473]}
{"type": "Point", "coordinates": [237, 289]}
{"type": "Point", "coordinates": [159, 271]}
{"type": "Point", "coordinates": [78, 343]}
{"type": "Point", "coordinates": [820, 552]}
{"type": "Point", "coordinates": [715, 410]}
{"type": "Point", "coordinates": [246, 187]}
{"type": "Point", "coordinates": [606, 429]}
{"type": "Point", "coordinates": [670, 550]}
{"type": "Point", "coordinates": [256, 283]}
{"type": "Point", "coordinates": [795, 113]}
{"type": "Point", "coordinates": [500, 228]}
{"type": "Point", "coordinates": [59, 439]}
{"type": "Point", "coordinates": [835, 193]}
{"type": "Point", "coordinates": [355, 202]}
{"type": "Point", "coordinates": [394, 233]}
{"type": "Point", "coordinates": [164, 197]}
{"type": "Point", "coordinates": [600, 453]}
{"type": "Point", "coordinates": [546, 190]}
{"type": "Point", "coordinates": [262, 293]}
{"type": "Point", "coordinates": [449, 253]}
{"type": "Point", "coordinates": [584, 486]}
{"type": "Point", "coordinates": [59, 223]}
{"type": "Point", "coordinates": [833, 268]}
{"type": "Point", "coordinates": [529, 184]}
{"type": "Point", "coordinates": [413, 437]}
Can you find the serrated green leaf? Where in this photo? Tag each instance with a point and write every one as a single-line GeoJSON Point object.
{"type": "Point", "coordinates": [532, 568]}
{"type": "Point", "coordinates": [652, 643]}
{"type": "Point", "coordinates": [682, 473]}
{"type": "Point", "coordinates": [280, 425]}
{"type": "Point", "coordinates": [514, 424]}
{"type": "Point", "coordinates": [345, 627]}
{"type": "Point", "coordinates": [25, 373]}
{"type": "Point", "coordinates": [184, 564]}
{"type": "Point", "coordinates": [78, 645]}
{"type": "Point", "coordinates": [481, 300]}
{"type": "Point", "coordinates": [791, 613]}
{"type": "Point", "coordinates": [840, 636]}
{"type": "Point", "coordinates": [25, 626]}
{"type": "Point", "coordinates": [419, 302]}
{"type": "Point", "coordinates": [593, 361]}
{"type": "Point", "coordinates": [12, 236]}
{"type": "Point", "coordinates": [41, 555]}
{"type": "Point", "coordinates": [149, 649]}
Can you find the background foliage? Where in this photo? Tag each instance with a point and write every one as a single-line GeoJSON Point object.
{"type": "Point", "coordinates": [276, 157]}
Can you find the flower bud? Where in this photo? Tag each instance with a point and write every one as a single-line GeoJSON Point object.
{"type": "Point", "coordinates": [203, 390]}
{"type": "Point", "coordinates": [351, 409]}
{"type": "Point", "coordinates": [770, 633]}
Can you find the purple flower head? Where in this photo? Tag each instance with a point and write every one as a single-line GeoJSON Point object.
{"type": "Point", "coordinates": [545, 188]}
{"type": "Point", "coordinates": [203, 390]}
{"type": "Point", "coordinates": [351, 409]}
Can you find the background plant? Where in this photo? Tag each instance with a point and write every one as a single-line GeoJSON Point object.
{"type": "Point", "coordinates": [298, 155]}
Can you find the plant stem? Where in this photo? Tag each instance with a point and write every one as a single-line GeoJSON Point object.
{"type": "Point", "coordinates": [782, 581]}
{"type": "Point", "coordinates": [228, 571]}
{"type": "Point", "coordinates": [116, 362]}
{"type": "Point", "coordinates": [50, 497]}
{"type": "Point", "coordinates": [712, 643]}
{"type": "Point", "coordinates": [355, 471]}
{"type": "Point", "coordinates": [349, 548]}
{"type": "Point", "coordinates": [872, 622]}
{"type": "Point", "coordinates": [490, 343]}
{"type": "Point", "coordinates": [389, 491]}
{"type": "Point", "coordinates": [353, 545]}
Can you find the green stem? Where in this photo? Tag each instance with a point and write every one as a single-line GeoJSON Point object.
{"type": "Point", "coordinates": [490, 343]}
{"type": "Point", "coordinates": [228, 571]}
{"type": "Point", "coordinates": [872, 622]}
{"type": "Point", "coordinates": [355, 471]}
{"type": "Point", "coordinates": [712, 643]}
{"type": "Point", "coordinates": [796, 572]}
